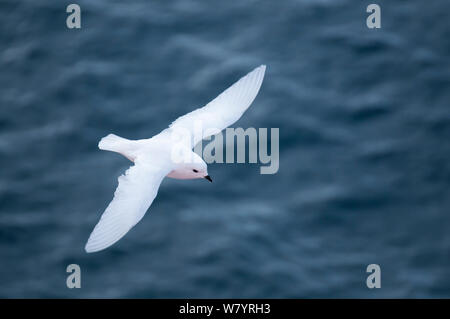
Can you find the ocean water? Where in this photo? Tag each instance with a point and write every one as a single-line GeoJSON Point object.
{"type": "Point", "coordinates": [364, 171]}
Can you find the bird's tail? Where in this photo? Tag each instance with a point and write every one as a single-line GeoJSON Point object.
{"type": "Point", "coordinates": [119, 145]}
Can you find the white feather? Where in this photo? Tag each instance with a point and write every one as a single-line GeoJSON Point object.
{"type": "Point", "coordinates": [136, 191]}
{"type": "Point", "coordinates": [224, 110]}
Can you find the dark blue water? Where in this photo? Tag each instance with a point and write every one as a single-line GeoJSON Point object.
{"type": "Point", "coordinates": [364, 148]}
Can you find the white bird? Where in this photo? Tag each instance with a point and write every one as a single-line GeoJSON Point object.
{"type": "Point", "coordinates": [153, 159]}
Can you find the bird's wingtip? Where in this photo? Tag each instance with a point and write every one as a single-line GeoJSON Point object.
{"type": "Point", "coordinates": [88, 249]}
{"type": "Point", "coordinates": [261, 69]}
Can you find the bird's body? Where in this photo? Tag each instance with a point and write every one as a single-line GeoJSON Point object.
{"type": "Point", "coordinates": [168, 153]}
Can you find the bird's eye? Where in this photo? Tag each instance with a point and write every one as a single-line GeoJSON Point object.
{"type": "Point", "coordinates": [195, 171]}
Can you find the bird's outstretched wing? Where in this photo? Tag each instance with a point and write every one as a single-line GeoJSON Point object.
{"type": "Point", "coordinates": [136, 191]}
{"type": "Point", "coordinates": [224, 110]}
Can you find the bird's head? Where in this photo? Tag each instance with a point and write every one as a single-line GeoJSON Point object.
{"type": "Point", "coordinates": [194, 169]}
{"type": "Point", "coordinates": [198, 168]}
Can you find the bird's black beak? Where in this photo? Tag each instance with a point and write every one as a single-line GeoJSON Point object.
{"type": "Point", "coordinates": [208, 178]}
